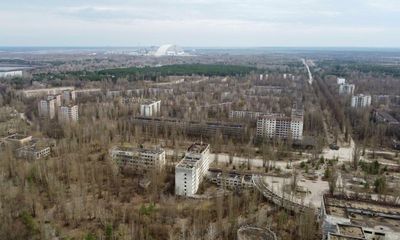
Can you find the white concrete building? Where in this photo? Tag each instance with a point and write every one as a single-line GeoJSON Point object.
{"type": "Point", "coordinates": [191, 170]}
{"type": "Point", "coordinates": [138, 158]}
{"type": "Point", "coordinates": [346, 88]}
{"type": "Point", "coordinates": [10, 74]}
{"type": "Point", "coordinates": [280, 126]}
{"type": "Point", "coordinates": [68, 113]}
{"type": "Point", "coordinates": [341, 81]}
{"type": "Point", "coordinates": [360, 101]}
{"type": "Point", "coordinates": [48, 107]}
{"type": "Point", "coordinates": [150, 108]}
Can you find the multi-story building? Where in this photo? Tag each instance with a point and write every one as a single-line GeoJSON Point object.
{"type": "Point", "coordinates": [341, 81]}
{"type": "Point", "coordinates": [68, 113]}
{"type": "Point", "coordinates": [138, 158]}
{"type": "Point", "coordinates": [360, 101]}
{"type": "Point", "coordinates": [48, 107]}
{"type": "Point", "coordinates": [280, 126]}
{"type": "Point", "coordinates": [191, 170]}
{"type": "Point", "coordinates": [10, 74]}
{"type": "Point", "coordinates": [346, 89]}
{"type": "Point", "coordinates": [245, 114]}
{"type": "Point", "coordinates": [150, 108]}
{"type": "Point", "coordinates": [69, 96]}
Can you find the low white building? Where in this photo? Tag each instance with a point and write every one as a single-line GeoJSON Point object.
{"type": "Point", "coordinates": [10, 74]}
{"type": "Point", "coordinates": [346, 89]}
{"type": "Point", "coordinates": [68, 113]}
{"type": "Point", "coordinates": [150, 108]}
{"type": "Point", "coordinates": [191, 170]}
{"type": "Point", "coordinates": [45, 91]}
{"type": "Point", "coordinates": [17, 140]}
{"type": "Point", "coordinates": [341, 81]}
{"type": "Point", "coordinates": [169, 50]}
{"type": "Point", "coordinates": [360, 101]}
{"type": "Point", "coordinates": [138, 158]}
{"type": "Point", "coordinates": [245, 114]}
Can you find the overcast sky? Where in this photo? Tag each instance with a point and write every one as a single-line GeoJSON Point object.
{"type": "Point", "coordinates": [240, 23]}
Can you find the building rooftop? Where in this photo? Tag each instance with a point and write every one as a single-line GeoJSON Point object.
{"type": "Point", "coordinates": [351, 231]}
{"type": "Point", "coordinates": [189, 161]}
{"type": "Point", "coordinates": [387, 117]}
{"type": "Point", "coordinates": [149, 101]}
{"type": "Point", "coordinates": [34, 147]}
{"type": "Point", "coordinates": [334, 236]}
{"type": "Point", "coordinates": [197, 147]}
{"type": "Point", "coordinates": [17, 136]}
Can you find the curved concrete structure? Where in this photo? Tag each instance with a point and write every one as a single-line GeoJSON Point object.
{"type": "Point", "coordinates": [277, 199]}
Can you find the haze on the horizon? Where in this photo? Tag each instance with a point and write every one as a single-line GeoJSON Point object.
{"type": "Point", "coordinates": [240, 23]}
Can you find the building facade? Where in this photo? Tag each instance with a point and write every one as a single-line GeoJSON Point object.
{"type": "Point", "coordinates": [360, 101]}
{"type": "Point", "coordinates": [150, 108]}
{"type": "Point", "coordinates": [138, 158]}
{"type": "Point", "coordinates": [46, 91]}
{"type": "Point", "coordinates": [48, 107]}
{"type": "Point", "coordinates": [191, 170]}
{"type": "Point", "coordinates": [346, 89]}
{"type": "Point", "coordinates": [281, 127]}
{"type": "Point", "coordinates": [68, 113]}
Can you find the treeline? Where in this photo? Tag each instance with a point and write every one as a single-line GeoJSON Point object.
{"type": "Point", "coordinates": [180, 70]}
{"type": "Point", "coordinates": [149, 73]}
{"type": "Point", "coordinates": [343, 68]}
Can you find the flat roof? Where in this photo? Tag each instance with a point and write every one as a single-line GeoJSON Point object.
{"type": "Point", "coordinates": [34, 147]}
{"type": "Point", "coordinates": [149, 101]}
{"type": "Point", "coordinates": [188, 161]}
{"type": "Point", "coordinates": [17, 136]}
{"type": "Point", "coordinates": [197, 147]}
{"type": "Point", "coordinates": [335, 236]}
{"type": "Point", "coordinates": [140, 150]}
{"type": "Point", "coordinates": [366, 213]}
